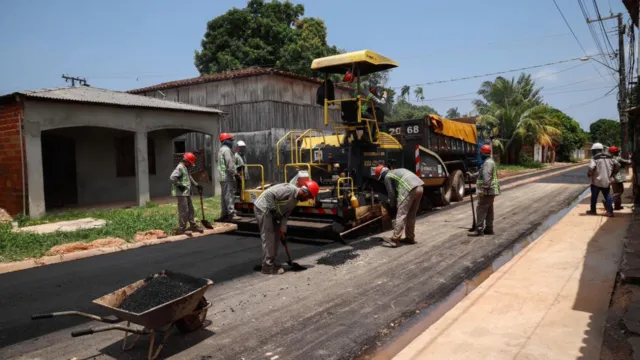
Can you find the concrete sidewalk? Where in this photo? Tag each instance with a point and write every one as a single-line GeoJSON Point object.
{"type": "Point", "coordinates": [549, 302]}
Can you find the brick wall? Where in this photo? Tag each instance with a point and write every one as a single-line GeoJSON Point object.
{"type": "Point", "coordinates": [11, 191]}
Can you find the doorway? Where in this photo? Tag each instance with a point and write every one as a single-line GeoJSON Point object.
{"type": "Point", "coordinates": [59, 171]}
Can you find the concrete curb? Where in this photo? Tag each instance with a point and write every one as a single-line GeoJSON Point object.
{"type": "Point", "coordinates": [56, 259]}
{"type": "Point", "coordinates": [517, 176]}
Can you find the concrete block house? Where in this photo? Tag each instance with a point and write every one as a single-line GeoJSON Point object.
{"type": "Point", "coordinates": [80, 146]}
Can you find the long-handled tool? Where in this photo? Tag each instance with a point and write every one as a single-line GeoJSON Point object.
{"type": "Point", "coordinates": [294, 265]}
{"type": "Point", "coordinates": [474, 227]}
{"type": "Point", "coordinates": [204, 222]}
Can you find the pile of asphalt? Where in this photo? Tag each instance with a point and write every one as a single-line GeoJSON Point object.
{"type": "Point", "coordinates": [157, 291]}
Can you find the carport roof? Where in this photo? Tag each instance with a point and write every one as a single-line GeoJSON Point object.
{"type": "Point", "coordinates": [86, 94]}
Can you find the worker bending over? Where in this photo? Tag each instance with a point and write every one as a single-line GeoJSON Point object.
{"type": "Point", "coordinates": [617, 185]}
{"type": "Point", "coordinates": [228, 177]}
{"type": "Point", "coordinates": [602, 168]}
{"type": "Point", "coordinates": [181, 182]}
{"type": "Point", "coordinates": [241, 162]}
{"type": "Point", "coordinates": [272, 209]}
{"type": "Point", "coordinates": [405, 192]}
{"type": "Point", "coordinates": [487, 188]}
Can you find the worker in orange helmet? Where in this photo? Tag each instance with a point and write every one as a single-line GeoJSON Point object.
{"type": "Point", "coordinates": [181, 182]}
{"type": "Point", "coordinates": [272, 209]}
{"type": "Point", "coordinates": [617, 185]}
{"type": "Point", "coordinates": [487, 188]}
{"type": "Point", "coordinates": [405, 190]}
{"type": "Point", "coordinates": [228, 177]}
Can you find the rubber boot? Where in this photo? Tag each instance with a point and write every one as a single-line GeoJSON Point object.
{"type": "Point", "coordinates": [488, 231]}
{"type": "Point", "coordinates": [196, 228]}
{"type": "Point", "coordinates": [476, 233]}
{"type": "Point", "coordinates": [591, 212]}
{"type": "Point", "coordinates": [274, 269]}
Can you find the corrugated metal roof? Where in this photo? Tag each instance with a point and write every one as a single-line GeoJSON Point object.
{"type": "Point", "coordinates": [86, 94]}
{"type": "Point", "coordinates": [252, 71]}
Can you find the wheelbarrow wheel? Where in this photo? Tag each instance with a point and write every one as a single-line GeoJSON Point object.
{"type": "Point", "coordinates": [194, 321]}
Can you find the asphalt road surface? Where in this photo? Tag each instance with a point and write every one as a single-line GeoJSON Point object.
{"type": "Point", "coordinates": [342, 305]}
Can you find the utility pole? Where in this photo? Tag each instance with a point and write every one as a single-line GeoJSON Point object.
{"type": "Point", "coordinates": [81, 81]}
{"type": "Point", "coordinates": [622, 86]}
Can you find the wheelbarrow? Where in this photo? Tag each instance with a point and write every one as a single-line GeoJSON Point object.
{"type": "Point", "coordinates": [186, 313]}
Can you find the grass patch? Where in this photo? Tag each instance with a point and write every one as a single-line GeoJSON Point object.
{"type": "Point", "coordinates": [121, 223]}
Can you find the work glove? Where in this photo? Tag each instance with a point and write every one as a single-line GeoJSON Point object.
{"type": "Point", "coordinates": [181, 187]}
{"type": "Point", "coordinates": [199, 187]}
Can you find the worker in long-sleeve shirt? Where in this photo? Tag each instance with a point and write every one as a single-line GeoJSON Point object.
{"type": "Point", "coordinates": [181, 182]}
{"type": "Point", "coordinates": [272, 209]}
{"type": "Point", "coordinates": [405, 190]}
{"type": "Point", "coordinates": [487, 188]}
{"type": "Point", "coordinates": [601, 170]}
{"type": "Point", "coordinates": [228, 176]}
{"type": "Point", "coordinates": [617, 185]}
{"type": "Point", "coordinates": [241, 161]}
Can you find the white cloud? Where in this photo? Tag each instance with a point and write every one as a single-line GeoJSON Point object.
{"type": "Point", "coordinates": [547, 74]}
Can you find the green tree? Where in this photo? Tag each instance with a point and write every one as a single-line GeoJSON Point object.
{"type": "Point", "coordinates": [605, 131]}
{"type": "Point", "coordinates": [404, 110]}
{"type": "Point", "coordinates": [452, 113]}
{"type": "Point", "coordinates": [419, 93]}
{"type": "Point", "coordinates": [571, 137]}
{"type": "Point", "coordinates": [405, 92]}
{"type": "Point", "coordinates": [512, 110]}
{"type": "Point", "coordinates": [270, 34]}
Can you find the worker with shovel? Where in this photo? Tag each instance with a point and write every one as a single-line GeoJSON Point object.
{"type": "Point", "coordinates": [181, 182]}
{"type": "Point", "coordinates": [272, 209]}
{"type": "Point", "coordinates": [487, 188]}
{"type": "Point", "coordinates": [241, 160]}
{"type": "Point", "coordinates": [405, 192]}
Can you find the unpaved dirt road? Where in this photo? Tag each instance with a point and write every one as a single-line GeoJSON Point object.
{"type": "Point", "coordinates": [342, 305]}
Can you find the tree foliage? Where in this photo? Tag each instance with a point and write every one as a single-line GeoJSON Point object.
{"type": "Point", "coordinates": [452, 113]}
{"type": "Point", "coordinates": [571, 137]}
{"type": "Point", "coordinates": [605, 131]}
{"type": "Point", "coordinates": [269, 34]}
{"type": "Point", "coordinates": [404, 110]}
{"type": "Point", "coordinates": [513, 111]}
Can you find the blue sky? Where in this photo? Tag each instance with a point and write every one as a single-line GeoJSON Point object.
{"type": "Point", "coordinates": [123, 45]}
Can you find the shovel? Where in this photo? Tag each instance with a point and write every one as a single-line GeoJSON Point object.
{"type": "Point", "coordinates": [294, 265]}
{"type": "Point", "coordinates": [204, 222]}
{"type": "Point", "coordinates": [473, 210]}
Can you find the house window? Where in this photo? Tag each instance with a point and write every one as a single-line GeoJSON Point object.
{"type": "Point", "coordinates": [126, 159]}
{"type": "Point", "coordinates": [179, 147]}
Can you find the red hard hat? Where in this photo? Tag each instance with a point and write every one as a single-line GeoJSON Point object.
{"type": "Point", "coordinates": [313, 187]}
{"type": "Point", "coordinates": [379, 170]}
{"type": "Point", "coordinates": [485, 149]}
{"type": "Point", "coordinates": [613, 149]}
{"type": "Point", "coordinates": [190, 158]}
{"type": "Point", "coordinates": [225, 136]}
{"type": "Point", "coordinates": [348, 77]}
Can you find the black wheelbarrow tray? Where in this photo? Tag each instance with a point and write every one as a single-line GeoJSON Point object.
{"type": "Point", "coordinates": [186, 313]}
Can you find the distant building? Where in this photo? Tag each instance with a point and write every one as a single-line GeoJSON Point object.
{"type": "Point", "coordinates": [262, 105]}
{"type": "Point", "coordinates": [82, 146]}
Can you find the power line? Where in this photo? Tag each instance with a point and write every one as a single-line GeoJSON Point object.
{"type": "Point", "coordinates": [491, 74]}
{"type": "Point", "coordinates": [569, 26]}
{"type": "Point", "coordinates": [595, 37]}
{"type": "Point", "coordinates": [591, 101]}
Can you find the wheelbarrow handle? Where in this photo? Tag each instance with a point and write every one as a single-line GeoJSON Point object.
{"type": "Point", "coordinates": [41, 316]}
{"type": "Point", "coordinates": [82, 332]}
{"type": "Point", "coordinates": [106, 319]}
{"type": "Point", "coordinates": [89, 331]}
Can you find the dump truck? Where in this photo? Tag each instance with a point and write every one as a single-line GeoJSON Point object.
{"type": "Point", "coordinates": [440, 151]}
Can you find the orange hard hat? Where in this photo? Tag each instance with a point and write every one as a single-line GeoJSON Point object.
{"type": "Point", "coordinates": [379, 170]}
{"type": "Point", "coordinates": [613, 149]}
{"type": "Point", "coordinates": [485, 149]}
{"type": "Point", "coordinates": [190, 158]}
{"type": "Point", "coordinates": [225, 136]}
{"type": "Point", "coordinates": [312, 188]}
{"type": "Point", "coordinates": [348, 77]}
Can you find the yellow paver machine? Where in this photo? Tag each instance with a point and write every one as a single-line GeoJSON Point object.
{"type": "Point", "coordinates": [341, 158]}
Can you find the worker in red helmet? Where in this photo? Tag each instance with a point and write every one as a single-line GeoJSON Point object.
{"type": "Point", "coordinates": [228, 177]}
{"type": "Point", "coordinates": [405, 190]}
{"type": "Point", "coordinates": [181, 182]}
{"type": "Point", "coordinates": [487, 188]}
{"type": "Point", "coordinates": [272, 209]}
{"type": "Point", "coordinates": [617, 185]}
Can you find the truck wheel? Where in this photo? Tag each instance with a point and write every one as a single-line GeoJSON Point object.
{"type": "Point", "coordinates": [456, 179]}
{"type": "Point", "coordinates": [442, 196]}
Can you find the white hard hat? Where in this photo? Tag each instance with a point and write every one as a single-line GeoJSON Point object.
{"type": "Point", "coordinates": [597, 146]}
{"type": "Point", "coordinates": [241, 143]}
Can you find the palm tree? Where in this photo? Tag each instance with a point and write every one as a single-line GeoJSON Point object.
{"type": "Point", "coordinates": [512, 111]}
{"type": "Point", "coordinates": [405, 92]}
{"type": "Point", "coordinates": [419, 92]}
{"type": "Point", "coordinates": [452, 113]}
